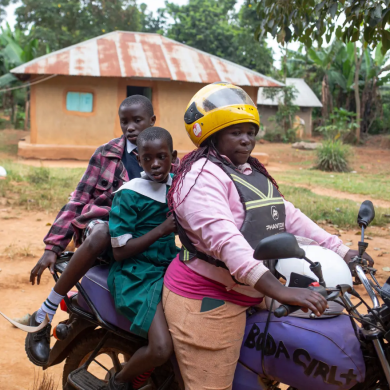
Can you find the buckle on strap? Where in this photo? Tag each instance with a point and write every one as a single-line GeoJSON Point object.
{"type": "Point", "coordinates": [185, 254]}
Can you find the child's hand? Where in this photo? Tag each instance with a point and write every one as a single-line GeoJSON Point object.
{"type": "Point", "coordinates": [47, 260]}
{"type": "Point", "coordinates": [168, 226]}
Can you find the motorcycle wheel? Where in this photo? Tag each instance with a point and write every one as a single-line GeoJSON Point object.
{"type": "Point", "coordinates": [115, 353]}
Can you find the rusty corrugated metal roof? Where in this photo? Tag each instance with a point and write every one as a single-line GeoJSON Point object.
{"type": "Point", "coordinates": [142, 55]}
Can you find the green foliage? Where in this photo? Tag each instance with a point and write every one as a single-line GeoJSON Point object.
{"type": "Point", "coordinates": [214, 27]}
{"type": "Point", "coordinates": [285, 116]}
{"type": "Point", "coordinates": [382, 122]}
{"type": "Point", "coordinates": [333, 156]}
{"type": "Point", "coordinates": [15, 49]}
{"type": "Point", "coordinates": [19, 120]}
{"type": "Point", "coordinates": [150, 23]}
{"type": "Point", "coordinates": [334, 67]}
{"type": "Point", "coordinates": [339, 126]}
{"type": "Point", "coordinates": [58, 24]}
{"type": "Point", "coordinates": [306, 21]}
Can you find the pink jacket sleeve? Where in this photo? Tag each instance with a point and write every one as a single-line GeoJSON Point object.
{"type": "Point", "coordinates": [299, 224]}
{"type": "Point", "coordinates": [206, 215]}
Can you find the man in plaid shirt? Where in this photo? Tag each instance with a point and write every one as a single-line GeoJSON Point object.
{"type": "Point", "coordinates": [85, 217]}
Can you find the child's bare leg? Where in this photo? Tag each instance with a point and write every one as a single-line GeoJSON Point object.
{"type": "Point", "coordinates": [155, 354]}
{"type": "Point", "coordinates": [83, 259]}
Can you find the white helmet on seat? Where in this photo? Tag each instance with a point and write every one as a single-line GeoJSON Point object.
{"type": "Point", "coordinates": [334, 269]}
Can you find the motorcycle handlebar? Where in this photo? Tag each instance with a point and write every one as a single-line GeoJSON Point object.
{"type": "Point", "coordinates": [284, 310]}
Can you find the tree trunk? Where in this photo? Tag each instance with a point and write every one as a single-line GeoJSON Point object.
{"type": "Point", "coordinates": [327, 105]}
{"type": "Point", "coordinates": [324, 100]}
{"type": "Point", "coordinates": [12, 108]}
{"type": "Point", "coordinates": [348, 102]}
{"type": "Point", "coordinates": [358, 62]}
{"type": "Point", "coordinates": [27, 110]}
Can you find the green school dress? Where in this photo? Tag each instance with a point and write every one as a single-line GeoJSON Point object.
{"type": "Point", "coordinates": [136, 283]}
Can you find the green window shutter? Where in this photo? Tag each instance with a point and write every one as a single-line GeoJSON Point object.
{"type": "Point", "coordinates": [86, 102]}
{"type": "Point", "coordinates": [79, 101]}
{"type": "Point", "coordinates": [72, 101]}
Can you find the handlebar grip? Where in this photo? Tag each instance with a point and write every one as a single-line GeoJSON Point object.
{"type": "Point", "coordinates": [285, 310]}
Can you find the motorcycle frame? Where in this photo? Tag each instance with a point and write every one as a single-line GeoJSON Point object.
{"type": "Point", "coordinates": [375, 334]}
{"type": "Point", "coordinates": [94, 320]}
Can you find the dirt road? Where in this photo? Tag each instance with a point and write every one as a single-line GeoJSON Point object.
{"type": "Point", "coordinates": [21, 235]}
{"type": "Point", "coordinates": [20, 247]}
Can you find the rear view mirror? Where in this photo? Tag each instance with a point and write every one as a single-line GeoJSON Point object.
{"type": "Point", "coordinates": [366, 214]}
{"type": "Point", "coordinates": [278, 246]}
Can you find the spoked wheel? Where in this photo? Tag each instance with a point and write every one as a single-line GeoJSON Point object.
{"type": "Point", "coordinates": [110, 359]}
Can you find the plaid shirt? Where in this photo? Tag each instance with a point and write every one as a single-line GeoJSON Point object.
{"type": "Point", "coordinates": [92, 198]}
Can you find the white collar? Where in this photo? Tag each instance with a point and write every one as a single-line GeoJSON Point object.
{"type": "Point", "coordinates": [148, 188]}
{"type": "Point", "coordinates": [129, 146]}
{"type": "Point", "coordinates": [146, 177]}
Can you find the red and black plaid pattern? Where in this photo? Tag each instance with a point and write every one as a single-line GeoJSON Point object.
{"type": "Point", "coordinates": [93, 196]}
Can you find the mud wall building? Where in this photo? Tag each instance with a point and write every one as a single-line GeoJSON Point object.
{"type": "Point", "coordinates": [76, 92]}
{"type": "Point", "coordinates": [305, 99]}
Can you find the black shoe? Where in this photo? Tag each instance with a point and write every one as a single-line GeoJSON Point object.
{"type": "Point", "coordinates": [38, 344]}
{"type": "Point", "coordinates": [112, 385]}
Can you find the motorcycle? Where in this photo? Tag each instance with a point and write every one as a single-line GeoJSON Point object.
{"type": "Point", "coordinates": [348, 350]}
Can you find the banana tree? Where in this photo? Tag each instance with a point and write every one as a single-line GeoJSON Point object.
{"type": "Point", "coordinates": [373, 77]}
{"type": "Point", "coordinates": [14, 52]}
{"type": "Point", "coordinates": [323, 58]}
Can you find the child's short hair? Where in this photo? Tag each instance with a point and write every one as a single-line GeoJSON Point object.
{"type": "Point", "coordinates": [139, 99]}
{"type": "Point", "coordinates": [152, 133]}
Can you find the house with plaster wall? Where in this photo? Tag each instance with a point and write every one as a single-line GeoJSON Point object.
{"type": "Point", "coordinates": [76, 91]}
{"type": "Point", "coordinates": [305, 99]}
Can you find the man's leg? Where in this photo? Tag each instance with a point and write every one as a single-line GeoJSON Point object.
{"type": "Point", "coordinates": [38, 344]}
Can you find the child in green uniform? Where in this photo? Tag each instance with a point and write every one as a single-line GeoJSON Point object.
{"type": "Point", "coordinates": [143, 243]}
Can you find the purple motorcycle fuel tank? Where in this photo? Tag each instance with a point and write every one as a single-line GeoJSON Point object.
{"type": "Point", "coordinates": [320, 354]}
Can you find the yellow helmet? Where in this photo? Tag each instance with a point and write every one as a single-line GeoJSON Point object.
{"type": "Point", "coordinates": [215, 107]}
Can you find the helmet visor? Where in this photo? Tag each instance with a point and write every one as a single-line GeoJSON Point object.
{"type": "Point", "coordinates": [226, 97]}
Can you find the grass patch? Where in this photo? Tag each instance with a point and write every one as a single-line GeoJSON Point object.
{"type": "Point", "coordinates": [307, 163]}
{"type": "Point", "coordinates": [49, 188]}
{"type": "Point", "coordinates": [320, 208]}
{"type": "Point", "coordinates": [9, 143]}
{"type": "Point", "coordinates": [38, 188]}
{"type": "Point", "coordinates": [375, 185]}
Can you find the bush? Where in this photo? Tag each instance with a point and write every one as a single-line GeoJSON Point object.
{"type": "Point", "coordinates": [340, 125]}
{"type": "Point", "coordinates": [333, 156]}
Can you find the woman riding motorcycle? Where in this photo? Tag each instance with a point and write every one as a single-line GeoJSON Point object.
{"type": "Point", "coordinates": [225, 202]}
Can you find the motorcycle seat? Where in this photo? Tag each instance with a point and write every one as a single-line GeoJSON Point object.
{"type": "Point", "coordinates": [95, 284]}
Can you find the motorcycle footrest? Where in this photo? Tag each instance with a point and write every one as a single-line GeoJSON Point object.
{"type": "Point", "coordinates": [81, 379]}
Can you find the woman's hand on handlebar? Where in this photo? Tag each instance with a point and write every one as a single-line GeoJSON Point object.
{"type": "Point", "coordinates": [48, 260]}
{"type": "Point", "coordinates": [353, 253]}
{"type": "Point", "coordinates": [305, 298]}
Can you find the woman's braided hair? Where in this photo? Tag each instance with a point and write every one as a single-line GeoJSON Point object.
{"type": "Point", "coordinates": [187, 162]}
